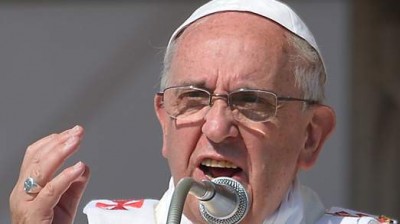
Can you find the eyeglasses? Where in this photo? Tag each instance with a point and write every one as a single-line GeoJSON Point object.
{"type": "Point", "coordinates": [190, 103]}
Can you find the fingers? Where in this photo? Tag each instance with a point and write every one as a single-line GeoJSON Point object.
{"type": "Point", "coordinates": [47, 207]}
{"type": "Point", "coordinates": [69, 185]}
{"type": "Point", "coordinates": [60, 195]}
{"type": "Point", "coordinates": [44, 157]}
{"type": "Point", "coordinates": [70, 199]}
{"type": "Point", "coordinates": [33, 149]}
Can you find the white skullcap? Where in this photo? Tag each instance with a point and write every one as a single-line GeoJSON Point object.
{"type": "Point", "coordinates": [271, 9]}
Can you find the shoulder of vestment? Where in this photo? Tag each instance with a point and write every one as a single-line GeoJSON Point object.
{"type": "Point", "coordinates": [336, 215]}
{"type": "Point", "coordinates": [121, 211]}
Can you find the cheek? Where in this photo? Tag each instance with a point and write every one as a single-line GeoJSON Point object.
{"type": "Point", "coordinates": [276, 154]}
{"type": "Point", "coordinates": [272, 159]}
{"type": "Point", "coordinates": [179, 144]}
{"type": "Point", "coordinates": [272, 162]}
{"type": "Point", "coordinates": [273, 167]}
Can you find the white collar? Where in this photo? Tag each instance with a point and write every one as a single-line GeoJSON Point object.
{"type": "Point", "coordinates": [301, 205]}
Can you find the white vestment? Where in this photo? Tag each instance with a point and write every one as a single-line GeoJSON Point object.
{"type": "Point", "coordinates": [300, 206]}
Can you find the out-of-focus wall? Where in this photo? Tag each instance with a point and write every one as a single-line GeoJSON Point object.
{"type": "Point", "coordinates": [375, 107]}
{"type": "Point", "coordinates": [98, 65]}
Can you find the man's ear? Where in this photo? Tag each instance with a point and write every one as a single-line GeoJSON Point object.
{"type": "Point", "coordinates": [318, 129]}
{"type": "Point", "coordinates": [163, 118]}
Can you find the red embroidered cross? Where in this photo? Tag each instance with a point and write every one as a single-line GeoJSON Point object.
{"type": "Point", "coordinates": [121, 204]}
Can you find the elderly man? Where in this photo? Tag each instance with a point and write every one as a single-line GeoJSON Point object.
{"type": "Point", "coordinates": [241, 97]}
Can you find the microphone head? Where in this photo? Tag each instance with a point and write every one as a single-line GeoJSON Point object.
{"type": "Point", "coordinates": [221, 212]}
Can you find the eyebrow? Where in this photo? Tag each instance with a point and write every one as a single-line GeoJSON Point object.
{"type": "Point", "coordinates": [198, 84]}
{"type": "Point", "coordinates": [202, 85]}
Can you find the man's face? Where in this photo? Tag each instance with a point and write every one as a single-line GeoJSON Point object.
{"type": "Point", "coordinates": [225, 52]}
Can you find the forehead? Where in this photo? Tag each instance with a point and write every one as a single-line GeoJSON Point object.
{"type": "Point", "coordinates": [233, 48]}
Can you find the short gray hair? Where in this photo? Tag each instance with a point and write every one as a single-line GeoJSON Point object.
{"type": "Point", "coordinates": [307, 67]}
{"type": "Point", "coordinates": [169, 55]}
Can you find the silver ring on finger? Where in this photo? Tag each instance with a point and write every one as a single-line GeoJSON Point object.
{"type": "Point", "coordinates": [31, 186]}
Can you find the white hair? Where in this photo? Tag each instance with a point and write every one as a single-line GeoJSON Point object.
{"type": "Point", "coordinates": [308, 68]}
{"type": "Point", "coordinates": [169, 55]}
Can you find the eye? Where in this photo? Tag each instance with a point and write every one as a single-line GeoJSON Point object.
{"type": "Point", "coordinates": [247, 97]}
{"type": "Point", "coordinates": [254, 105]}
{"type": "Point", "coordinates": [193, 94]}
{"type": "Point", "coordinates": [190, 101]}
{"type": "Point", "coordinates": [252, 99]}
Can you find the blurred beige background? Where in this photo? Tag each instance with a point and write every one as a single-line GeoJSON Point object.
{"type": "Point", "coordinates": [97, 63]}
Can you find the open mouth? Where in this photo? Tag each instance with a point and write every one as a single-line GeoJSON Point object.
{"type": "Point", "coordinates": [219, 168]}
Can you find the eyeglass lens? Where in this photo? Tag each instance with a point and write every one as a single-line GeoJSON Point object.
{"type": "Point", "coordinates": [191, 104]}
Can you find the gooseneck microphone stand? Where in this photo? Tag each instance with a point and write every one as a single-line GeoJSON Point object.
{"type": "Point", "coordinates": [222, 200]}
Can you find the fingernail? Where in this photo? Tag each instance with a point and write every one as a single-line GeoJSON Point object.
{"type": "Point", "coordinates": [71, 141]}
{"type": "Point", "coordinates": [78, 165]}
{"type": "Point", "coordinates": [75, 129]}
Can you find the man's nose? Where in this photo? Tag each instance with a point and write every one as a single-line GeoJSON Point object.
{"type": "Point", "coordinates": [219, 123]}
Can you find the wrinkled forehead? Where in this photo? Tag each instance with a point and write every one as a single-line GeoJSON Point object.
{"type": "Point", "coordinates": [234, 49]}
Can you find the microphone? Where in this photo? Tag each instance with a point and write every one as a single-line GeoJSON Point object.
{"type": "Point", "coordinates": [223, 200]}
{"type": "Point", "coordinates": [228, 203]}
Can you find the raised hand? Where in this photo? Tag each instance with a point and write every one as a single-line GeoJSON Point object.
{"type": "Point", "coordinates": [56, 197]}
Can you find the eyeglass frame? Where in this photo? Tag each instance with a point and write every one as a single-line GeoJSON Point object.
{"type": "Point", "coordinates": [226, 97]}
